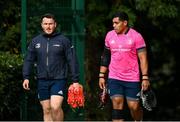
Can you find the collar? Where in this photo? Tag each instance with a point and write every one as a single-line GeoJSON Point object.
{"type": "Point", "coordinates": [50, 35]}
{"type": "Point", "coordinates": [127, 30]}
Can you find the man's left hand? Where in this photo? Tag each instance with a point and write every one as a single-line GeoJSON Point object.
{"type": "Point", "coordinates": [145, 84]}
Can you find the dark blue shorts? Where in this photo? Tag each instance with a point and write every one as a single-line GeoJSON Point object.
{"type": "Point", "coordinates": [46, 88]}
{"type": "Point", "coordinates": [129, 90]}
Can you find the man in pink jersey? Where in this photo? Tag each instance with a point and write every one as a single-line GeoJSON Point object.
{"type": "Point", "coordinates": [124, 46]}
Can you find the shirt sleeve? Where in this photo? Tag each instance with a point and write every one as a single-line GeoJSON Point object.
{"type": "Point", "coordinates": [28, 61]}
{"type": "Point", "coordinates": [107, 40]}
{"type": "Point", "coordinates": [71, 57]}
{"type": "Point", "coordinates": [140, 43]}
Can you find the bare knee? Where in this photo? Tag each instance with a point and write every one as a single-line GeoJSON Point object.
{"type": "Point", "coordinates": [134, 105]}
{"type": "Point", "coordinates": [47, 110]}
{"type": "Point", "coordinates": [55, 109]}
{"type": "Point", "coordinates": [57, 113]}
{"type": "Point", "coordinates": [136, 110]}
{"type": "Point", "coordinates": [56, 103]}
{"type": "Point", "coordinates": [118, 102]}
{"type": "Point", "coordinates": [46, 106]}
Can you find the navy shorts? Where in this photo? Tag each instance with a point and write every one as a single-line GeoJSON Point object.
{"type": "Point", "coordinates": [46, 88]}
{"type": "Point", "coordinates": [129, 90]}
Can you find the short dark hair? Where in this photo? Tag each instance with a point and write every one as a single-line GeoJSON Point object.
{"type": "Point", "coordinates": [122, 16]}
{"type": "Point", "coordinates": [48, 15]}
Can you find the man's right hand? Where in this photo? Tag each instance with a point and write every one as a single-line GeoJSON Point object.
{"type": "Point", "coordinates": [26, 84]}
{"type": "Point", "coordinates": [102, 83]}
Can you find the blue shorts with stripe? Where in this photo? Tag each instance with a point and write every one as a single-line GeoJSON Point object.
{"type": "Point", "coordinates": [129, 90]}
{"type": "Point", "coordinates": [47, 88]}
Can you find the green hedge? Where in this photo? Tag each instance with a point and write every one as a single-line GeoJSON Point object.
{"type": "Point", "coordinates": [10, 85]}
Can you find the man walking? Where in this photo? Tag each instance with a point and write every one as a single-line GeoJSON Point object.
{"type": "Point", "coordinates": [124, 46]}
{"type": "Point", "coordinates": [54, 55]}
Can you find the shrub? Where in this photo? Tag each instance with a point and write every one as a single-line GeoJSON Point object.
{"type": "Point", "coordinates": [10, 85]}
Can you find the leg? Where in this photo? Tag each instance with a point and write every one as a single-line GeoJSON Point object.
{"type": "Point", "coordinates": [132, 94]}
{"type": "Point", "coordinates": [135, 109]}
{"type": "Point", "coordinates": [44, 97]}
{"type": "Point", "coordinates": [118, 102]}
{"type": "Point", "coordinates": [117, 112]}
{"type": "Point", "coordinates": [46, 110]}
{"type": "Point", "coordinates": [116, 92]}
{"type": "Point", "coordinates": [57, 93]}
{"type": "Point", "coordinates": [56, 108]}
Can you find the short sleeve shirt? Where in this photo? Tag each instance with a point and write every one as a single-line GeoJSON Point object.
{"type": "Point", "coordinates": [124, 58]}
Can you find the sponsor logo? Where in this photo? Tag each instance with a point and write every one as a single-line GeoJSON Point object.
{"type": "Point", "coordinates": [38, 45]}
{"type": "Point", "coordinates": [138, 94]}
{"type": "Point", "coordinates": [112, 41]}
{"type": "Point", "coordinates": [56, 45]}
{"type": "Point", "coordinates": [60, 92]}
{"type": "Point", "coordinates": [123, 50]}
{"type": "Point", "coordinates": [130, 41]}
{"type": "Point", "coordinates": [38, 96]}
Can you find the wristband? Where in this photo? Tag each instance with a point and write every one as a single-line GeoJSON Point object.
{"type": "Point", "coordinates": [101, 77]}
{"type": "Point", "coordinates": [102, 73]}
{"type": "Point", "coordinates": [145, 79]}
{"type": "Point", "coordinates": [145, 75]}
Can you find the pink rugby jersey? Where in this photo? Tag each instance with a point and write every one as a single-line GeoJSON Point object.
{"type": "Point", "coordinates": [124, 60]}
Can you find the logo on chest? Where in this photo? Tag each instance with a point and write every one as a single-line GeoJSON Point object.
{"type": "Point", "coordinates": [124, 45]}
{"type": "Point", "coordinates": [56, 45]}
{"type": "Point", "coordinates": [38, 45]}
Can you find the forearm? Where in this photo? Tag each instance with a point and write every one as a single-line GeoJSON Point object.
{"type": "Point", "coordinates": [144, 66]}
{"type": "Point", "coordinates": [27, 68]}
{"type": "Point", "coordinates": [144, 69]}
{"type": "Point", "coordinates": [143, 63]}
{"type": "Point", "coordinates": [74, 70]}
{"type": "Point", "coordinates": [103, 71]}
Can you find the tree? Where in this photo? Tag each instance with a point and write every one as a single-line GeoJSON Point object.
{"type": "Point", "coordinates": [158, 21]}
{"type": "Point", "coordinates": [10, 12]}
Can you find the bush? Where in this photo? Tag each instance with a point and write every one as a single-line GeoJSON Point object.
{"type": "Point", "coordinates": [10, 85]}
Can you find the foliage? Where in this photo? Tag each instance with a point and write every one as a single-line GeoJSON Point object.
{"type": "Point", "coordinates": [10, 88]}
{"type": "Point", "coordinates": [10, 12]}
{"type": "Point", "coordinates": [157, 21]}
